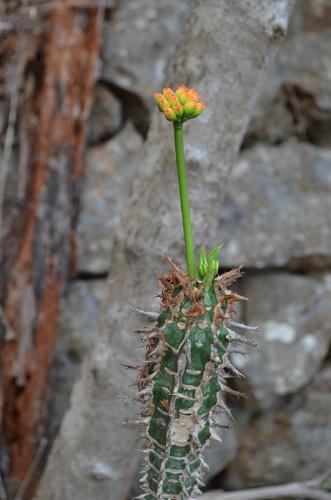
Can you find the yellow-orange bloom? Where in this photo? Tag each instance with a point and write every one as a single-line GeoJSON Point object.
{"type": "Point", "coordinates": [160, 101]}
{"type": "Point", "coordinates": [170, 114]}
{"type": "Point", "coordinates": [181, 105]}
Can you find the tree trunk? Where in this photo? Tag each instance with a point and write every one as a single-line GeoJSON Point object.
{"type": "Point", "coordinates": [38, 250]}
{"type": "Point", "coordinates": [223, 53]}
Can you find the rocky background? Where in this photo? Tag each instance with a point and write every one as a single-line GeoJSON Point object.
{"type": "Point", "coordinates": [283, 174]}
{"type": "Point", "coordinates": [275, 220]}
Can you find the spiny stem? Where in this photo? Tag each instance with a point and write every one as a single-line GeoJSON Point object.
{"type": "Point", "coordinates": [184, 199]}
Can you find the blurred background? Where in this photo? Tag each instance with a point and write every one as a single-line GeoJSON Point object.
{"type": "Point", "coordinates": [76, 86]}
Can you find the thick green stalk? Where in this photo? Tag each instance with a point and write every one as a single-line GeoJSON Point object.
{"type": "Point", "coordinates": [183, 383]}
{"type": "Point", "coordinates": [184, 199]}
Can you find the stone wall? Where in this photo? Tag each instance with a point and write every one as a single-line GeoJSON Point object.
{"type": "Point", "coordinates": [275, 219]}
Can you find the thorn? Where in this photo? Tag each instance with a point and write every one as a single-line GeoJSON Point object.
{"type": "Point", "coordinates": [204, 465]}
{"type": "Point", "coordinates": [198, 480]}
{"type": "Point", "coordinates": [233, 350]}
{"type": "Point", "coordinates": [152, 335]}
{"type": "Point", "coordinates": [216, 425]}
{"type": "Point", "coordinates": [241, 325]}
{"type": "Point", "coordinates": [145, 331]}
{"type": "Point", "coordinates": [228, 364]}
{"type": "Point", "coordinates": [215, 437]}
{"type": "Point", "coordinates": [197, 492]}
{"type": "Point", "coordinates": [141, 421]}
{"type": "Point", "coordinates": [158, 349]}
{"type": "Point", "coordinates": [239, 338]}
{"type": "Point", "coordinates": [147, 362]}
{"type": "Point", "coordinates": [148, 314]}
{"type": "Point", "coordinates": [225, 407]}
{"type": "Point", "coordinates": [143, 392]}
{"type": "Point", "coordinates": [130, 367]}
{"type": "Point", "coordinates": [238, 394]}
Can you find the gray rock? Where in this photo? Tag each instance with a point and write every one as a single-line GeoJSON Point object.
{"type": "Point", "coordinates": [106, 116]}
{"type": "Point", "coordinates": [306, 64]}
{"type": "Point", "coordinates": [271, 120]}
{"type": "Point", "coordinates": [296, 96]}
{"type": "Point", "coordinates": [306, 60]}
{"type": "Point", "coordinates": [110, 169]}
{"type": "Point", "coordinates": [291, 444]}
{"type": "Point", "coordinates": [79, 313]}
{"type": "Point", "coordinates": [311, 15]}
{"type": "Point", "coordinates": [137, 44]}
{"type": "Point", "coordinates": [277, 209]}
{"type": "Point", "coordinates": [294, 320]}
{"type": "Point", "coordinates": [220, 455]}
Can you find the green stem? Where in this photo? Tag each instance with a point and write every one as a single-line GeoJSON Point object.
{"type": "Point", "coordinates": [184, 200]}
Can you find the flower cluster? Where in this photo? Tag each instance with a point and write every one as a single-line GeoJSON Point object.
{"type": "Point", "coordinates": [181, 105]}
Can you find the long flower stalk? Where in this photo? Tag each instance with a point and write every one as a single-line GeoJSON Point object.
{"type": "Point", "coordinates": [184, 199]}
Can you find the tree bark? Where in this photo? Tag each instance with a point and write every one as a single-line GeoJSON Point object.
{"type": "Point", "coordinates": [38, 249]}
{"type": "Point", "coordinates": [223, 53]}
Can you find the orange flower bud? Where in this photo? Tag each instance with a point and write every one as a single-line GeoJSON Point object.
{"type": "Point", "coordinates": [181, 94]}
{"type": "Point", "coordinates": [199, 107]}
{"type": "Point", "coordinates": [193, 95]}
{"type": "Point", "coordinates": [169, 94]}
{"type": "Point", "coordinates": [170, 114]}
{"type": "Point", "coordinates": [190, 107]}
{"type": "Point", "coordinates": [173, 102]}
{"type": "Point", "coordinates": [179, 110]}
{"type": "Point", "coordinates": [181, 105]}
{"type": "Point", "coordinates": [160, 101]}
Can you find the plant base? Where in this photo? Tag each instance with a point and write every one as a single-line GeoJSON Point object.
{"type": "Point", "coordinates": [183, 381]}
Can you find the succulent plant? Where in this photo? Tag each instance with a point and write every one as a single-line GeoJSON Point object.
{"type": "Point", "coordinates": [183, 382]}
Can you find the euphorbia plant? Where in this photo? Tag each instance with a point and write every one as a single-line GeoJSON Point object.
{"type": "Point", "coordinates": [183, 380]}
